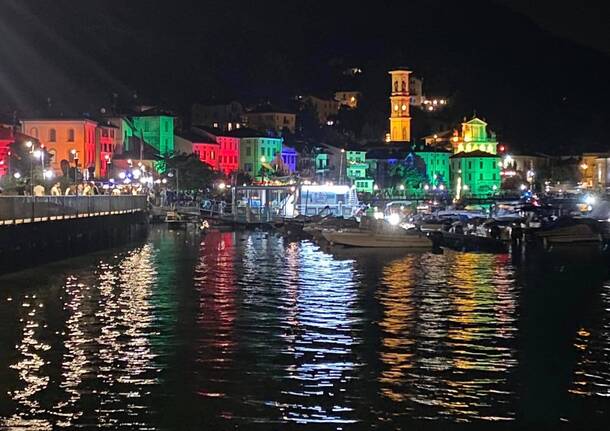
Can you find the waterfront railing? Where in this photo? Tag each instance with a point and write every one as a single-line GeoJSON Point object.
{"type": "Point", "coordinates": [33, 209]}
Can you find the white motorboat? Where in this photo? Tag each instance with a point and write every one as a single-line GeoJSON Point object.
{"type": "Point", "coordinates": [367, 238]}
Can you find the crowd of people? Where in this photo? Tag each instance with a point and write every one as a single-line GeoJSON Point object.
{"type": "Point", "coordinates": [85, 188]}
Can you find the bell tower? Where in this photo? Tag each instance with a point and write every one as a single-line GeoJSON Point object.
{"type": "Point", "coordinates": [400, 119]}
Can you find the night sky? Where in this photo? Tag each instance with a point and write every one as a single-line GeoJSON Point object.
{"type": "Point", "coordinates": [538, 75]}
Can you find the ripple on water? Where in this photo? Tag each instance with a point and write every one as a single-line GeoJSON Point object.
{"type": "Point", "coordinates": [230, 330]}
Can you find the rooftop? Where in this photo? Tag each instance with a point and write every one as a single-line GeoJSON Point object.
{"type": "Point", "coordinates": [473, 154]}
{"type": "Point", "coordinates": [196, 138]}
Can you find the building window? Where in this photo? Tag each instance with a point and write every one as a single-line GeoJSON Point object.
{"type": "Point", "coordinates": [52, 135]}
{"type": "Point", "coordinates": [248, 151]}
{"type": "Point", "coordinates": [469, 177]}
{"type": "Point", "coordinates": [469, 164]}
{"type": "Point", "coordinates": [480, 176]}
{"type": "Point", "coordinates": [481, 164]}
{"type": "Point", "coordinates": [494, 177]}
{"type": "Point", "coordinates": [34, 132]}
{"type": "Point", "coordinates": [212, 155]}
{"type": "Point", "coordinates": [105, 133]}
{"type": "Point", "coordinates": [112, 133]}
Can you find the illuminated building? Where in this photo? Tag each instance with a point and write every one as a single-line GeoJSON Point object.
{"type": "Point", "coordinates": [475, 165]}
{"type": "Point", "coordinates": [7, 137]}
{"type": "Point", "coordinates": [357, 170]}
{"type": "Point", "coordinates": [601, 178]}
{"type": "Point", "coordinates": [156, 129]}
{"type": "Point", "coordinates": [474, 137]}
{"type": "Point", "coordinates": [107, 134]}
{"type": "Point", "coordinates": [591, 172]}
{"type": "Point", "coordinates": [289, 158]}
{"type": "Point", "coordinates": [272, 119]}
{"type": "Point", "coordinates": [475, 174]}
{"type": "Point", "coordinates": [400, 120]}
{"type": "Point", "coordinates": [71, 139]}
{"type": "Point", "coordinates": [228, 150]}
{"type": "Point", "coordinates": [256, 150]}
{"type": "Point", "coordinates": [349, 99]}
{"type": "Point", "coordinates": [437, 165]}
{"type": "Point", "coordinates": [206, 148]}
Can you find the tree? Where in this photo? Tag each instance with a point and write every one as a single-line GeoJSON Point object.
{"type": "Point", "coordinates": [409, 175]}
{"type": "Point", "coordinates": [190, 173]}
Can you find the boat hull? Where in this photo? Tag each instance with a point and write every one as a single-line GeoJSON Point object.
{"type": "Point", "coordinates": [377, 240]}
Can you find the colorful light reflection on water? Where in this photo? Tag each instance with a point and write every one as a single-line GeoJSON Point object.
{"type": "Point", "coordinates": [241, 330]}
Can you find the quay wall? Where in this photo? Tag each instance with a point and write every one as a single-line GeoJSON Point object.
{"type": "Point", "coordinates": [37, 230]}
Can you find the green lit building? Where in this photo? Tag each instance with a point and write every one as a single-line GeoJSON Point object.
{"type": "Point", "coordinates": [437, 161]}
{"type": "Point", "coordinates": [357, 171]}
{"type": "Point", "coordinates": [475, 174]}
{"type": "Point", "coordinates": [256, 150]}
{"type": "Point", "coordinates": [475, 165]}
{"type": "Point", "coordinates": [156, 130]}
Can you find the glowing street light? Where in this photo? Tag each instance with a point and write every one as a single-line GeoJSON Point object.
{"type": "Point", "coordinates": [17, 175]}
{"type": "Point", "coordinates": [29, 144]}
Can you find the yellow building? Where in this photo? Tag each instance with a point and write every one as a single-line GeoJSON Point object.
{"type": "Point", "coordinates": [400, 120]}
{"type": "Point", "coordinates": [474, 137]}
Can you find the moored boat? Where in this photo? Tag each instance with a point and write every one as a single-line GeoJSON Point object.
{"type": "Point", "coordinates": [367, 238]}
{"type": "Point", "coordinates": [174, 220]}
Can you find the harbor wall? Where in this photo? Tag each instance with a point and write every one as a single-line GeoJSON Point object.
{"type": "Point", "coordinates": [31, 244]}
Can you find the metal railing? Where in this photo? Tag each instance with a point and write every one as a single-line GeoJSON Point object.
{"type": "Point", "coordinates": [32, 209]}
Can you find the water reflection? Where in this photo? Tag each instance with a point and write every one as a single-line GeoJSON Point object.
{"type": "Point", "coordinates": [103, 352]}
{"type": "Point", "coordinates": [446, 343]}
{"type": "Point", "coordinates": [30, 367]}
{"type": "Point", "coordinates": [215, 282]}
{"type": "Point", "coordinates": [321, 318]}
{"type": "Point", "coordinates": [249, 330]}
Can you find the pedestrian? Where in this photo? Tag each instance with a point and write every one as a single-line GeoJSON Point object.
{"type": "Point", "coordinates": [39, 190]}
{"type": "Point", "coordinates": [56, 190]}
{"type": "Point", "coordinates": [87, 190]}
{"type": "Point", "coordinates": [71, 190]}
{"type": "Point", "coordinates": [79, 189]}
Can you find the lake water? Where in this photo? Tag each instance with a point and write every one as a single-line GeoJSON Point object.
{"type": "Point", "coordinates": [252, 331]}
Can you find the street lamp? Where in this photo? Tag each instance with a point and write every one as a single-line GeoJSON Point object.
{"type": "Point", "coordinates": [74, 154]}
{"type": "Point", "coordinates": [108, 163]}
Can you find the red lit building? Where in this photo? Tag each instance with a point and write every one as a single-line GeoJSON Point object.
{"type": "Point", "coordinates": [6, 139]}
{"type": "Point", "coordinates": [108, 136]}
{"type": "Point", "coordinates": [228, 155]}
{"type": "Point", "coordinates": [205, 147]}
